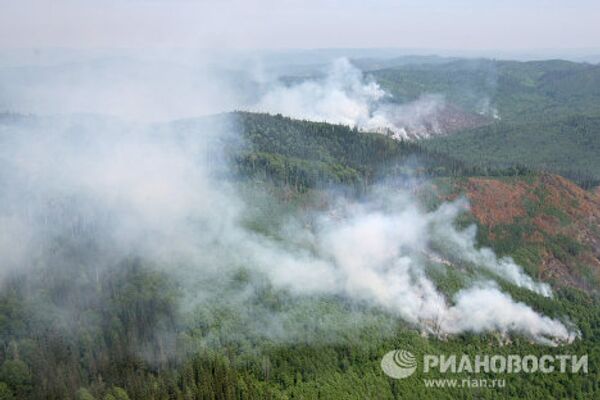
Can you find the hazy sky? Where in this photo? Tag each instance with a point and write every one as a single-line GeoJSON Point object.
{"type": "Point", "coordinates": [439, 24]}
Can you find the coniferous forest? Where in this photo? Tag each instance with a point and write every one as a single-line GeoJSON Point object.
{"type": "Point", "coordinates": [286, 200]}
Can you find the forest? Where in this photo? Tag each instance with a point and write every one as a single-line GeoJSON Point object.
{"type": "Point", "coordinates": [71, 331]}
{"type": "Point", "coordinates": [299, 200]}
{"type": "Point", "coordinates": [543, 115]}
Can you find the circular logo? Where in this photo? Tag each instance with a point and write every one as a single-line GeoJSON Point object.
{"type": "Point", "coordinates": [399, 364]}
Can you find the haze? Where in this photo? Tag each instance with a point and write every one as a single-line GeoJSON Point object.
{"type": "Point", "coordinates": [236, 24]}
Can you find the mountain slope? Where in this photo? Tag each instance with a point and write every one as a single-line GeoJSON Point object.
{"type": "Point", "coordinates": [569, 147]}
{"type": "Point", "coordinates": [308, 154]}
{"type": "Point", "coordinates": [546, 222]}
{"type": "Point", "coordinates": [127, 331]}
{"type": "Point", "coordinates": [513, 91]}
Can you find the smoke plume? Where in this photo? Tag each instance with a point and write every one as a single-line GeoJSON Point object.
{"type": "Point", "coordinates": [345, 96]}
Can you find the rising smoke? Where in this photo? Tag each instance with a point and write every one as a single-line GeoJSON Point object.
{"type": "Point", "coordinates": [345, 96]}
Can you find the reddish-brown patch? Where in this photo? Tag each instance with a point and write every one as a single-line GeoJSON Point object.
{"type": "Point", "coordinates": [535, 237]}
{"type": "Point", "coordinates": [547, 223]}
{"type": "Point", "coordinates": [570, 198]}
{"type": "Point", "coordinates": [496, 202]}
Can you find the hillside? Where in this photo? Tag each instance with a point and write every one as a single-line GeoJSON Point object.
{"type": "Point", "coordinates": [546, 222]}
{"type": "Point", "coordinates": [86, 326]}
{"type": "Point", "coordinates": [299, 200]}
{"type": "Point", "coordinates": [546, 114]}
{"type": "Point", "coordinates": [569, 147]}
{"type": "Point", "coordinates": [545, 217]}
{"type": "Point", "coordinates": [510, 90]}
{"type": "Point", "coordinates": [310, 154]}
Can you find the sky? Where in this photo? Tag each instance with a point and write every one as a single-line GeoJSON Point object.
{"type": "Point", "coordinates": [279, 24]}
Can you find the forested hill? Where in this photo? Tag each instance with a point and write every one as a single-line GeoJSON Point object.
{"type": "Point", "coordinates": [570, 147]}
{"type": "Point", "coordinates": [307, 154]}
{"type": "Point", "coordinates": [126, 332]}
{"type": "Point", "coordinates": [544, 115]}
{"type": "Point", "coordinates": [516, 91]}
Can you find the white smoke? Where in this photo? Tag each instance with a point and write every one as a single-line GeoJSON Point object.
{"type": "Point", "coordinates": [461, 245]}
{"type": "Point", "coordinates": [380, 256]}
{"type": "Point", "coordinates": [481, 309]}
{"type": "Point", "coordinates": [485, 107]}
{"type": "Point", "coordinates": [345, 96]}
{"type": "Point", "coordinates": [342, 97]}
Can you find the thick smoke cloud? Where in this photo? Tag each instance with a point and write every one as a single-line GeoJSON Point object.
{"type": "Point", "coordinates": [161, 193]}
{"type": "Point", "coordinates": [368, 252]}
{"type": "Point", "coordinates": [345, 96]}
